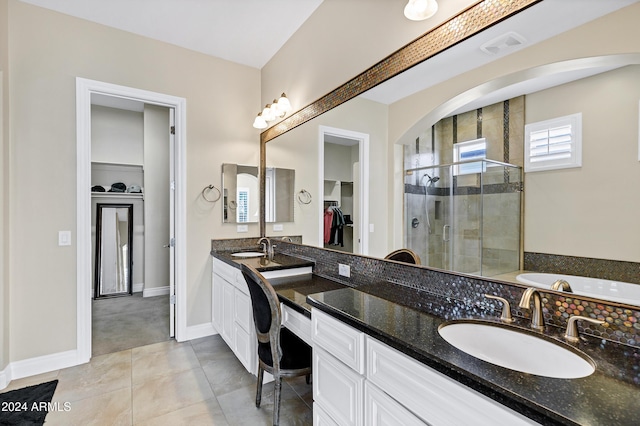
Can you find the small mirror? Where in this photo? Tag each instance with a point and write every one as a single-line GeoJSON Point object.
{"type": "Point", "coordinates": [241, 194]}
{"type": "Point", "coordinates": [114, 237]}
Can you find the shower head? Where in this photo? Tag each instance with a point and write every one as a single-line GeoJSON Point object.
{"type": "Point", "coordinates": [430, 180]}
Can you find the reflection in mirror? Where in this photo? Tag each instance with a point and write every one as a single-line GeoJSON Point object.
{"type": "Point", "coordinates": [241, 196]}
{"type": "Point", "coordinates": [565, 209]}
{"type": "Point", "coordinates": [114, 237]}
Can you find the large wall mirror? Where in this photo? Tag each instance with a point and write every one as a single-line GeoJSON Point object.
{"type": "Point", "coordinates": [555, 73]}
{"type": "Point", "coordinates": [241, 194]}
{"type": "Point", "coordinates": [114, 238]}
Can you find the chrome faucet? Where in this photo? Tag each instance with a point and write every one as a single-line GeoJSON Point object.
{"type": "Point", "coordinates": [537, 319]}
{"type": "Point", "coordinates": [267, 248]}
{"type": "Point", "coordinates": [561, 285]}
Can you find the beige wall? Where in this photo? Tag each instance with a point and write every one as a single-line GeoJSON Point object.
{"type": "Point", "coordinates": [4, 186]}
{"type": "Point", "coordinates": [298, 150]}
{"type": "Point", "coordinates": [590, 211]}
{"type": "Point", "coordinates": [117, 135]}
{"type": "Point", "coordinates": [47, 51]}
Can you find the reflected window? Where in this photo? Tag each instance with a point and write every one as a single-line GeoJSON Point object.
{"type": "Point", "coordinates": [553, 144]}
{"type": "Point", "coordinates": [243, 205]}
{"type": "Point", "coordinates": [468, 152]}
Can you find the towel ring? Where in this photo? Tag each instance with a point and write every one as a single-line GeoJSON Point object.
{"type": "Point", "coordinates": [304, 197]}
{"type": "Point", "coordinates": [208, 188]}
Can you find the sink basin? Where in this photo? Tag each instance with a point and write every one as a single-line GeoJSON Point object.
{"type": "Point", "coordinates": [517, 349]}
{"type": "Point", "coordinates": [248, 254]}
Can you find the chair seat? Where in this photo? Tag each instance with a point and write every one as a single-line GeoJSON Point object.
{"type": "Point", "coordinates": [296, 354]}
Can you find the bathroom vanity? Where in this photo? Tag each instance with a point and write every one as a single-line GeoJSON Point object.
{"type": "Point", "coordinates": [378, 356]}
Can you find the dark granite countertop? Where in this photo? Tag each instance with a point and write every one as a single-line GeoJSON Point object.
{"type": "Point", "coordinates": [263, 263]}
{"type": "Point", "coordinates": [408, 320]}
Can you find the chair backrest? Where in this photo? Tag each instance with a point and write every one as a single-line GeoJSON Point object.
{"type": "Point", "coordinates": [404, 255]}
{"type": "Point", "coordinates": [266, 310]}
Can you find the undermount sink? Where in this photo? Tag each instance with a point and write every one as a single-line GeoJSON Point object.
{"type": "Point", "coordinates": [248, 254]}
{"type": "Point", "coordinates": [516, 349]}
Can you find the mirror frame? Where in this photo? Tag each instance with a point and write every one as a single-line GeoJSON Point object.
{"type": "Point", "coordinates": [98, 262]}
{"type": "Point", "coordinates": [460, 27]}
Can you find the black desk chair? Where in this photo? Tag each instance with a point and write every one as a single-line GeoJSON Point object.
{"type": "Point", "coordinates": [280, 352]}
{"type": "Point", "coordinates": [404, 255]}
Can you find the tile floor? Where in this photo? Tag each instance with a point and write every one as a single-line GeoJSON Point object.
{"type": "Point", "coordinates": [191, 383]}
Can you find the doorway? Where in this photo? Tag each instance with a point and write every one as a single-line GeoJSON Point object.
{"type": "Point", "coordinates": [344, 182]}
{"type": "Point", "coordinates": [85, 90]}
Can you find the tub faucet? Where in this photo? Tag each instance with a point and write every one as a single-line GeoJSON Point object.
{"type": "Point", "coordinates": [561, 285]}
{"type": "Point", "coordinates": [267, 248]}
{"type": "Point", "coordinates": [537, 319]}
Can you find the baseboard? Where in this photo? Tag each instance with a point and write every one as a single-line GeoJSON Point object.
{"type": "Point", "coordinates": [155, 291]}
{"type": "Point", "coordinates": [200, 330]}
{"type": "Point", "coordinates": [137, 288]}
{"type": "Point", "coordinates": [38, 365]}
{"type": "Point", "coordinates": [5, 377]}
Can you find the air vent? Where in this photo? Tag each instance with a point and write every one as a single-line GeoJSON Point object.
{"type": "Point", "coordinates": [504, 43]}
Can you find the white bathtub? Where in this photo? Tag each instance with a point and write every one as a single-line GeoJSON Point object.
{"type": "Point", "coordinates": [615, 291]}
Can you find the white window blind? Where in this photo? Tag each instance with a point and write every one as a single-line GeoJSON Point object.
{"type": "Point", "coordinates": [554, 144]}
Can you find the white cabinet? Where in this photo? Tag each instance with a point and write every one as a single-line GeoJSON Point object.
{"type": "Point", "coordinates": [337, 389]}
{"type": "Point", "coordinates": [232, 315]}
{"type": "Point", "coordinates": [359, 380]}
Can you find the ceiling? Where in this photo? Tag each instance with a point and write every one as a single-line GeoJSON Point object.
{"type": "Point", "coordinates": [538, 23]}
{"type": "Point", "coordinates": [247, 32]}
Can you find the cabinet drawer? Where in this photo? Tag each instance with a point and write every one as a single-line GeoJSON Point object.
{"type": "Point", "coordinates": [340, 340]}
{"type": "Point", "coordinates": [382, 410]}
{"type": "Point", "coordinates": [299, 324]}
{"type": "Point", "coordinates": [227, 272]}
{"type": "Point", "coordinates": [432, 396]}
{"type": "Point", "coordinates": [337, 389]}
{"type": "Point", "coordinates": [243, 314]}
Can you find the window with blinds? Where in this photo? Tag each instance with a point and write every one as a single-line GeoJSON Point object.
{"type": "Point", "coordinates": [553, 144]}
{"type": "Point", "coordinates": [242, 208]}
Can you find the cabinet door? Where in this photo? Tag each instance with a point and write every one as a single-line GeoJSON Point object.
{"type": "Point", "coordinates": [337, 389]}
{"type": "Point", "coordinates": [382, 410]}
{"type": "Point", "coordinates": [321, 418]}
{"type": "Point", "coordinates": [243, 314]}
{"type": "Point", "coordinates": [217, 303]}
{"type": "Point", "coordinates": [228, 293]}
{"type": "Point", "coordinates": [245, 349]}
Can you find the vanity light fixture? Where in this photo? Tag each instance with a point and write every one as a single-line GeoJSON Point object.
{"type": "Point", "coordinates": [418, 10]}
{"type": "Point", "coordinates": [278, 109]}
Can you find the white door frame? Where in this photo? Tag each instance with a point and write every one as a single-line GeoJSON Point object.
{"type": "Point", "coordinates": [84, 89]}
{"type": "Point", "coordinates": [363, 154]}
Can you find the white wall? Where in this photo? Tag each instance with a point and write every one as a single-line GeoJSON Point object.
{"type": "Point", "coordinates": [116, 135]}
{"type": "Point", "coordinates": [4, 188]}
{"type": "Point", "coordinates": [46, 52]}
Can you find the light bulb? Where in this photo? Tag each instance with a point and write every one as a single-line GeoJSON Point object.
{"type": "Point", "coordinates": [418, 10]}
{"type": "Point", "coordinates": [284, 104]}
{"type": "Point", "coordinates": [267, 113]}
{"type": "Point", "coordinates": [259, 122]}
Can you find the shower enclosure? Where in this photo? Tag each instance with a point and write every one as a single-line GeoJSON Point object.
{"type": "Point", "coordinates": [465, 216]}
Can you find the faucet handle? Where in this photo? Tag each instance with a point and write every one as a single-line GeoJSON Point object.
{"type": "Point", "coordinates": [571, 335]}
{"type": "Point", "coordinates": [506, 308]}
